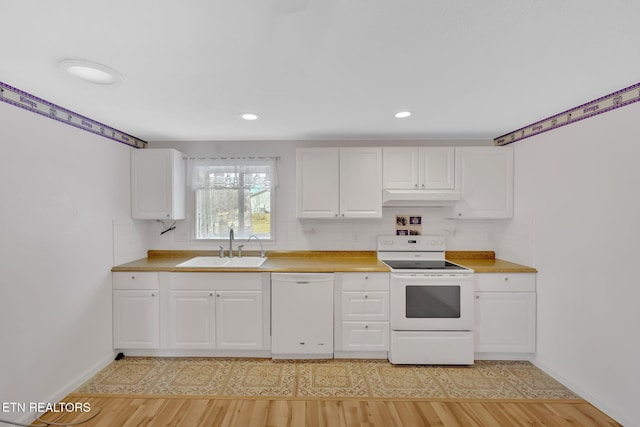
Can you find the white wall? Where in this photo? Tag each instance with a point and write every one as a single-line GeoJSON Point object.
{"type": "Point", "coordinates": [577, 188]}
{"type": "Point", "coordinates": [62, 190]}
{"type": "Point", "coordinates": [339, 234]}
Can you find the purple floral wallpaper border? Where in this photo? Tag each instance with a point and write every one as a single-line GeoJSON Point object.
{"type": "Point", "coordinates": [24, 100]}
{"type": "Point", "coordinates": [614, 100]}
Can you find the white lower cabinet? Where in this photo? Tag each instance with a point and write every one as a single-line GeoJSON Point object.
{"type": "Point", "coordinates": [136, 311]}
{"type": "Point", "coordinates": [188, 313]}
{"type": "Point", "coordinates": [505, 313]}
{"type": "Point", "coordinates": [239, 321]}
{"type": "Point", "coordinates": [191, 320]}
{"type": "Point", "coordinates": [362, 315]}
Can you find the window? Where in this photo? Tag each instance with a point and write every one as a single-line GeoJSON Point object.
{"type": "Point", "coordinates": [233, 194]}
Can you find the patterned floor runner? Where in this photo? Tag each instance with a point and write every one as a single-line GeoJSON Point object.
{"type": "Point", "coordinates": [323, 378]}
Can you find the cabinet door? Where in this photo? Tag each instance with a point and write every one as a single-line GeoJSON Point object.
{"type": "Point", "coordinates": [437, 166]}
{"type": "Point", "coordinates": [239, 320]}
{"type": "Point", "coordinates": [400, 168]}
{"type": "Point", "coordinates": [485, 177]}
{"type": "Point", "coordinates": [361, 182]}
{"type": "Point", "coordinates": [158, 184]}
{"type": "Point", "coordinates": [505, 322]}
{"type": "Point", "coordinates": [136, 319]}
{"type": "Point", "coordinates": [191, 319]}
{"type": "Point", "coordinates": [317, 182]}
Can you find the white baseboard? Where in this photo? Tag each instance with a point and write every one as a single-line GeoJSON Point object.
{"type": "Point", "coordinates": [71, 386]}
{"type": "Point", "coordinates": [611, 412]}
{"type": "Point", "coordinates": [503, 356]}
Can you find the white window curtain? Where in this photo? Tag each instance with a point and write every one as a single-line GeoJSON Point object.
{"type": "Point", "coordinates": [233, 193]}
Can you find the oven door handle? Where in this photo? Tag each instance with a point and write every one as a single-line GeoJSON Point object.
{"type": "Point", "coordinates": [422, 277]}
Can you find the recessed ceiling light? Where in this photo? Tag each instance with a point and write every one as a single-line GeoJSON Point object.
{"type": "Point", "coordinates": [249, 116]}
{"type": "Point", "coordinates": [403, 114]}
{"type": "Point", "coordinates": [91, 72]}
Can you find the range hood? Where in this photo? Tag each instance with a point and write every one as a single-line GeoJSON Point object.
{"type": "Point", "coordinates": [419, 197]}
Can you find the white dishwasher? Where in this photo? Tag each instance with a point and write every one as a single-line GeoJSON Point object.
{"type": "Point", "coordinates": [302, 315]}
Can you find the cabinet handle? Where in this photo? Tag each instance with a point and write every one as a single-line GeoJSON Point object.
{"type": "Point", "coordinates": [153, 294]}
{"type": "Point", "coordinates": [366, 277]}
{"type": "Point", "coordinates": [366, 295]}
{"type": "Point", "coordinates": [506, 278]}
{"type": "Point", "coordinates": [477, 297]}
{"type": "Point", "coordinates": [366, 326]}
{"type": "Point", "coordinates": [342, 214]}
{"type": "Point", "coordinates": [416, 185]}
{"type": "Point", "coordinates": [218, 295]}
{"type": "Point", "coordinates": [211, 294]}
{"type": "Point", "coordinates": [133, 277]}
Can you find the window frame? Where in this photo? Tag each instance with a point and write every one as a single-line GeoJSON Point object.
{"type": "Point", "coordinates": [239, 161]}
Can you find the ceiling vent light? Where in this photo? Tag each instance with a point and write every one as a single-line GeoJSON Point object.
{"type": "Point", "coordinates": [249, 116]}
{"type": "Point", "coordinates": [403, 114]}
{"type": "Point", "coordinates": [91, 72]}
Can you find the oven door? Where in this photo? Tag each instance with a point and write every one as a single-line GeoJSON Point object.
{"type": "Point", "coordinates": [432, 302]}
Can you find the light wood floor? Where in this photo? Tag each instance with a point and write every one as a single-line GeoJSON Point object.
{"type": "Point", "coordinates": [129, 411]}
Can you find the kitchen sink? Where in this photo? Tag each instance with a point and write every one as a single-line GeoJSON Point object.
{"type": "Point", "coordinates": [247, 261]}
{"type": "Point", "coordinates": [217, 262]}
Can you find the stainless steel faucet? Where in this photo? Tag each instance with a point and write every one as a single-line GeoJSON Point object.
{"type": "Point", "coordinates": [231, 243]}
{"type": "Point", "coordinates": [259, 241]}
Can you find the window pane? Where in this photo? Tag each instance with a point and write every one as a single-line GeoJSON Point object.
{"type": "Point", "coordinates": [232, 197]}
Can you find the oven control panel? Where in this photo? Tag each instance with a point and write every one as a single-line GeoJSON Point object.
{"type": "Point", "coordinates": [391, 243]}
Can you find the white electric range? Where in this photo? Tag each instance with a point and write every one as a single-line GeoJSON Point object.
{"type": "Point", "coordinates": [431, 302]}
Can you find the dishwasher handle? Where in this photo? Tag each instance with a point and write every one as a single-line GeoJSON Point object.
{"type": "Point", "coordinates": [302, 279]}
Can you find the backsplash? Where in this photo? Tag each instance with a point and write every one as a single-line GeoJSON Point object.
{"type": "Point", "coordinates": [349, 234]}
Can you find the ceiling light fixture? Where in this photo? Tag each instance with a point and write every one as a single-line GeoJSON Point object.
{"type": "Point", "coordinates": [403, 114]}
{"type": "Point", "coordinates": [91, 72]}
{"type": "Point", "coordinates": [249, 116]}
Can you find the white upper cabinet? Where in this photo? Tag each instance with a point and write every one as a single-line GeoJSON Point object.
{"type": "Point", "coordinates": [485, 179]}
{"type": "Point", "coordinates": [400, 168]}
{"type": "Point", "coordinates": [361, 182]}
{"type": "Point", "coordinates": [317, 182]}
{"type": "Point", "coordinates": [419, 168]}
{"type": "Point", "coordinates": [339, 182]}
{"type": "Point", "coordinates": [158, 184]}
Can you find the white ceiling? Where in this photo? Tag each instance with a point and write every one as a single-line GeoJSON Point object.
{"type": "Point", "coordinates": [322, 69]}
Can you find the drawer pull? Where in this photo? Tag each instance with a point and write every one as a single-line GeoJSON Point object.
{"type": "Point", "coordinates": [366, 326]}
{"type": "Point", "coordinates": [366, 296]}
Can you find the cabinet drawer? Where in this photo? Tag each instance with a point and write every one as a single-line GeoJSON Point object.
{"type": "Point", "coordinates": [365, 281]}
{"type": "Point", "coordinates": [505, 282]}
{"type": "Point", "coordinates": [365, 336]}
{"type": "Point", "coordinates": [365, 305]}
{"type": "Point", "coordinates": [135, 280]}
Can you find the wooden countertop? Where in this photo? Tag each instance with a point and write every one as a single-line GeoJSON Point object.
{"type": "Point", "coordinates": [486, 262]}
{"type": "Point", "coordinates": [316, 262]}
